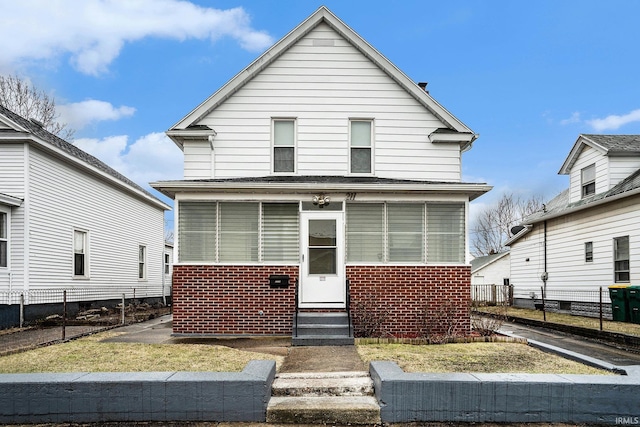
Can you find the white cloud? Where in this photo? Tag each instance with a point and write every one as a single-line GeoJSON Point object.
{"type": "Point", "coordinates": [575, 118]}
{"type": "Point", "coordinates": [150, 158]}
{"type": "Point", "coordinates": [94, 31]}
{"type": "Point", "coordinates": [613, 121]}
{"type": "Point", "coordinates": [80, 114]}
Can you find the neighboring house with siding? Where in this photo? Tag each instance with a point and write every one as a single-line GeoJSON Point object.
{"type": "Point", "coordinates": [68, 221]}
{"type": "Point", "coordinates": [588, 236]}
{"type": "Point", "coordinates": [323, 163]}
{"type": "Point", "coordinates": [490, 278]}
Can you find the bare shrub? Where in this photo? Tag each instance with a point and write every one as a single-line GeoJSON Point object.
{"type": "Point", "coordinates": [488, 324]}
{"type": "Point", "coordinates": [443, 323]}
{"type": "Point", "coordinates": [369, 318]}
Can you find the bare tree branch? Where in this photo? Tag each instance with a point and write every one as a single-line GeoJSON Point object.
{"type": "Point", "coordinates": [24, 99]}
{"type": "Point", "coordinates": [492, 226]}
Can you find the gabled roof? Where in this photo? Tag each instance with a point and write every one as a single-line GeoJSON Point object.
{"type": "Point", "coordinates": [18, 128]}
{"type": "Point", "coordinates": [608, 145]}
{"type": "Point", "coordinates": [483, 261]}
{"type": "Point", "coordinates": [323, 15]}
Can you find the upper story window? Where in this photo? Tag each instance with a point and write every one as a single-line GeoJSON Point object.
{"type": "Point", "coordinates": [4, 239]}
{"type": "Point", "coordinates": [361, 145]}
{"type": "Point", "coordinates": [80, 258]}
{"type": "Point", "coordinates": [284, 145]}
{"type": "Point", "coordinates": [588, 180]}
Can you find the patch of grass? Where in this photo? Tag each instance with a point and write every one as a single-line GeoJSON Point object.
{"type": "Point", "coordinates": [566, 319]}
{"type": "Point", "coordinates": [90, 355]}
{"type": "Point", "coordinates": [474, 358]}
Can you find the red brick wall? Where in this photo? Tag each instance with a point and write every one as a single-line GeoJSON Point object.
{"type": "Point", "coordinates": [406, 294]}
{"type": "Point", "coordinates": [228, 300]}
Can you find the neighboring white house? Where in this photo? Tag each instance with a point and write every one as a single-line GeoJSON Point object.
{"type": "Point", "coordinates": [588, 237]}
{"type": "Point", "coordinates": [68, 221]}
{"type": "Point", "coordinates": [490, 278]}
{"type": "Point", "coordinates": [168, 268]}
{"type": "Point", "coordinates": [319, 176]}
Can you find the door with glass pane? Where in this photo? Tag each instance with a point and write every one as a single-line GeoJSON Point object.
{"type": "Point", "coordinates": [322, 282]}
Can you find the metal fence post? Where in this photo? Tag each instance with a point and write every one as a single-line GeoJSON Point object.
{"type": "Point", "coordinates": [544, 312]}
{"type": "Point", "coordinates": [601, 308]}
{"type": "Point", "coordinates": [122, 310]}
{"type": "Point", "coordinates": [22, 310]}
{"type": "Point", "coordinates": [64, 314]}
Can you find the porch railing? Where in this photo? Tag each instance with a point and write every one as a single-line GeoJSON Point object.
{"type": "Point", "coordinates": [295, 332]}
{"type": "Point", "coordinates": [348, 303]}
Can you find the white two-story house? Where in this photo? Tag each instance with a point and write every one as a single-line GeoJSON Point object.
{"type": "Point", "coordinates": [320, 178]}
{"type": "Point", "coordinates": [69, 222]}
{"type": "Point", "coordinates": [588, 237]}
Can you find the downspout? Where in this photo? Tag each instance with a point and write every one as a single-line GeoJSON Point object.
{"type": "Point", "coordinates": [545, 274]}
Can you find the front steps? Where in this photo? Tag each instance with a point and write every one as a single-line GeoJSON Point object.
{"type": "Point", "coordinates": [323, 398]}
{"type": "Point", "coordinates": [320, 329]}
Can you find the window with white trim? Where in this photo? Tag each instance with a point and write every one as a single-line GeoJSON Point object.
{"type": "Point", "coordinates": [588, 252]}
{"type": "Point", "coordinates": [4, 239]}
{"type": "Point", "coordinates": [588, 180]}
{"type": "Point", "coordinates": [142, 262]}
{"type": "Point", "coordinates": [167, 263]}
{"type": "Point", "coordinates": [621, 259]}
{"type": "Point", "coordinates": [80, 256]}
{"type": "Point", "coordinates": [405, 232]}
{"type": "Point", "coordinates": [284, 145]}
{"type": "Point", "coordinates": [238, 232]}
{"type": "Point", "coordinates": [361, 146]}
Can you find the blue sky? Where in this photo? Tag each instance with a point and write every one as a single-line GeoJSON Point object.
{"type": "Point", "coordinates": [528, 77]}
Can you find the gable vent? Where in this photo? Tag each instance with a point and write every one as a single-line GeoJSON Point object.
{"type": "Point", "coordinates": [324, 42]}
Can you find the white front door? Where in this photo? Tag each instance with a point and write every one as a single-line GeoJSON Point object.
{"type": "Point", "coordinates": [322, 281]}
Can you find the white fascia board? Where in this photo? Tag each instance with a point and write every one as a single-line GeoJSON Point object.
{"type": "Point", "coordinates": [179, 136]}
{"type": "Point", "coordinates": [575, 152]}
{"type": "Point", "coordinates": [61, 154]}
{"type": "Point", "coordinates": [527, 228]}
{"type": "Point", "coordinates": [170, 188]}
{"type": "Point", "coordinates": [8, 200]}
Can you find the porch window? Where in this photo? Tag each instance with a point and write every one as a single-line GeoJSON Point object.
{"type": "Point", "coordinates": [284, 145]}
{"type": "Point", "coordinates": [621, 259]}
{"type": "Point", "coordinates": [80, 253]}
{"type": "Point", "coordinates": [4, 239]}
{"type": "Point", "coordinates": [238, 232]}
{"type": "Point", "coordinates": [406, 232]}
{"type": "Point", "coordinates": [445, 232]}
{"type": "Point", "coordinates": [280, 232]}
{"type": "Point", "coordinates": [361, 146]}
{"type": "Point", "coordinates": [365, 232]}
{"type": "Point", "coordinates": [213, 232]}
{"type": "Point", "coordinates": [142, 262]}
{"type": "Point", "coordinates": [197, 231]}
{"type": "Point", "coordinates": [588, 178]}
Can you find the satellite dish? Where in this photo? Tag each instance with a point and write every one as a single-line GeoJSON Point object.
{"type": "Point", "coordinates": [518, 228]}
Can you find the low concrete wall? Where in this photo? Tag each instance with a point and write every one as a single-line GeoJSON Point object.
{"type": "Point", "coordinates": [504, 398]}
{"type": "Point", "coordinates": [137, 396]}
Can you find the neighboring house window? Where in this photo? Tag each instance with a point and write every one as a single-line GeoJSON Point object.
{"type": "Point", "coordinates": [588, 176]}
{"type": "Point", "coordinates": [621, 259]}
{"type": "Point", "coordinates": [361, 146]}
{"type": "Point", "coordinates": [142, 262]}
{"type": "Point", "coordinates": [80, 253]}
{"type": "Point", "coordinates": [284, 145]}
{"type": "Point", "coordinates": [398, 232]}
{"type": "Point", "coordinates": [166, 263]}
{"type": "Point", "coordinates": [4, 239]}
{"type": "Point", "coordinates": [588, 252]}
{"type": "Point", "coordinates": [238, 232]}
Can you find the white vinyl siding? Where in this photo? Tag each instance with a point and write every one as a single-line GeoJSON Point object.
{"type": "Point", "coordinates": [62, 198]}
{"type": "Point", "coordinates": [398, 233]}
{"type": "Point", "coordinates": [198, 159]}
{"type": "Point", "coordinates": [621, 168]}
{"type": "Point", "coordinates": [566, 251]}
{"type": "Point", "coordinates": [323, 86]}
{"type": "Point", "coordinates": [238, 232]}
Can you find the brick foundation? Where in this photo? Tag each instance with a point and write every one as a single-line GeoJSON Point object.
{"type": "Point", "coordinates": [224, 299]}
{"type": "Point", "coordinates": [229, 300]}
{"type": "Point", "coordinates": [404, 295]}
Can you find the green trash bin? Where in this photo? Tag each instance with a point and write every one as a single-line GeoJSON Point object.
{"type": "Point", "coordinates": [633, 295]}
{"type": "Point", "coordinates": [619, 303]}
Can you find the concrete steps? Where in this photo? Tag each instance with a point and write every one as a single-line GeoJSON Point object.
{"type": "Point", "coordinates": [323, 398]}
{"type": "Point", "coordinates": [321, 329]}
